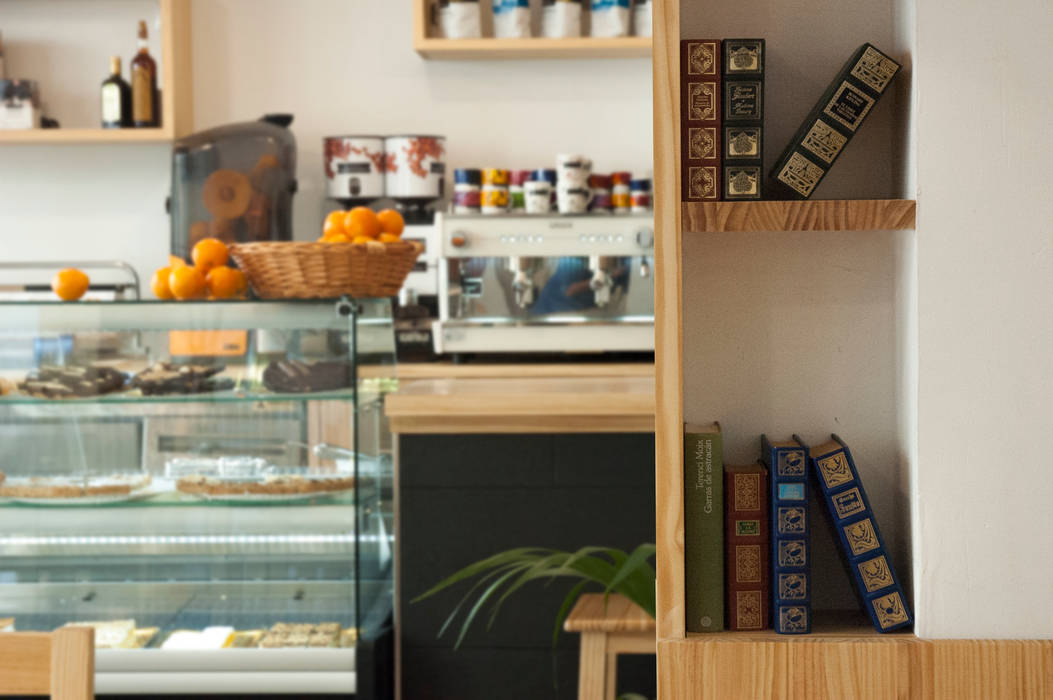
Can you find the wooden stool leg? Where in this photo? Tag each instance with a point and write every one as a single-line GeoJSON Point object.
{"type": "Point", "coordinates": [592, 662]}
{"type": "Point", "coordinates": [612, 676]}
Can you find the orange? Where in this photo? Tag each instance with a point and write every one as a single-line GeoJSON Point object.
{"type": "Point", "coordinates": [159, 284]}
{"type": "Point", "coordinates": [361, 221]}
{"type": "Point", "coordinates": [225, 282]}
{"type": "Point", "coordinates": [362, 239]}
{"type": "Point", "coordinates": [335, 219]}
{"type": "Point", "coordinates": [389, 238]}
{"type": "Point", "coordinates": [186, 283]}
{"type": "Point", "coordinates": [391, 222]}
{"type": "Point", "coordinates": [209, 253]}
{"type": "Point", "coordinates": [70, 284]}
{"type": "Point", "coordinates": [338, 238]}
{"type": "Point", "coordinates": [176, 261]}
{"type": "Point", "coordinates": [321, 239]}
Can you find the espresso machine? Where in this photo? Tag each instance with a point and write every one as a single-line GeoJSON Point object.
{"type": "Point", "coordinates": [545, 284]}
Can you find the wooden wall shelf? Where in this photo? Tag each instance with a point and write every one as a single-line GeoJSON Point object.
{"type": "Point", "coordinates": [85, 136]}
{"type": "Point", "coordinates": [499, 49]}
{"type": "Point", "coordinates": [502, 49]}
{"type": "Point", "coordinates": [851, 664]}
{"type": "Point", "coordinates": [815, 215]}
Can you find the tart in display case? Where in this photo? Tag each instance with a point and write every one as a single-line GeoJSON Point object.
{"type": "Point", "coordinates": [222, 519]}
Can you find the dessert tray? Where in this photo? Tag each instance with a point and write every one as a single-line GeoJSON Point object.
{"type": "Point", "coordinates": [76, 491]}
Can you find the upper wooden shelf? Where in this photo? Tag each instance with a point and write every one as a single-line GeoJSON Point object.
{"type": "Point", "coordinates": [497, 49]}
{"type": "Point", "coordinates": [86, 136]}
{"type": "Point", "coordinates": [814, 215]}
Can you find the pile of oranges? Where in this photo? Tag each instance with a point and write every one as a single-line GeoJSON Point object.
{"type": "Point", "coordinates": [209, 276]}
{"type": "Point", "coordinates": [362, 225]}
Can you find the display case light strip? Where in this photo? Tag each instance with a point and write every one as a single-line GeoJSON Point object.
{"type": "Point", "coordinates": [131, 540]}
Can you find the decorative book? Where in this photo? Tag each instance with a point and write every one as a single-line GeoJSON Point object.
{"type": "Point", "coordinates": [787, 463]}
{"type": "Point", "coordinates": [860, 537]}
{"type": "Point", "coordinates": [743, 143]}
{"type": "Point", "coordinates": [703, 528]}
{"type": "Point", "coordinates": [700, 119]}
{"type": "Point", "coordinates": [833, 121]}
{"type": "Point", "coordinates": [747, 565]}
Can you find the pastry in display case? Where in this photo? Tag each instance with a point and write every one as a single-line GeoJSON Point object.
{"type": "Point", "coordinates": [222, 521]}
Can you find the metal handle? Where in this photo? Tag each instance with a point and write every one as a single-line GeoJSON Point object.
{"type": "Point", "coordinates": [91, 265]}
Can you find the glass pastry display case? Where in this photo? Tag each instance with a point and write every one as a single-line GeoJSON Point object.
{"type": "Point", "coordinates": [207, 484]}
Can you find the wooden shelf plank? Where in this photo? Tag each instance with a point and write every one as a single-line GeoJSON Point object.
{"type": "Point", "coordinates": [812, 215]}
{"type": "Point", "coordinates": [536, 48]}
{"type": "Point", "coordinates": [85, 136]}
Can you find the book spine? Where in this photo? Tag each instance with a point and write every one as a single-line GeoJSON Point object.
{"type": "Point", "coordinates": [791, 544]}
{"type": "Point", "coordinates": [700, 119]}
{"type": "Point", "coordinates": [742, 161]}
{"type": "Point", "coordinates": [832, 123]}
{"type": "Point", "coordinates": [861, 540]}
{"type": "Point", "coordinates": [703, 532]}
{"type": "Point", "coordinates": [748, 562]}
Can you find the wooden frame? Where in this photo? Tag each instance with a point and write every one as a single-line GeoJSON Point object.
{"type": "Point", "coordinates": [835, 662]}
{"type": "Point", "coordinates": [497, 49]}
{"type": "Point", "coordinates": [60, 664]}
{"type": "Point", "coordinates": [177, 108]}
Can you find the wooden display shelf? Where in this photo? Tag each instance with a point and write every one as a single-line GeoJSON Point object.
{"type": "Point", "coordinates": [815, 215]}
{"type": "Point", "coordinates": [498, 49]}
{"type": "Point", "coordinates": [839, 662]}
{"type": "Point", "coordinates": [86, 136]}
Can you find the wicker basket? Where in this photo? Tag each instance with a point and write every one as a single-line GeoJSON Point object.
{"type": "Point", "coordinates": [325, 270]}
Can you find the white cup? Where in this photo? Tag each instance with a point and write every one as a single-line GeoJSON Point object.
{"type": "Point", "coordinates": [573, 200]}
{"type": "Point", "coordinates": [573, 170]}
{"type": "Point", "coordinates": [538, 196]}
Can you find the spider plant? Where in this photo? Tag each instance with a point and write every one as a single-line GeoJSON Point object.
{"type": "Point", "coordinates": [497, 577]}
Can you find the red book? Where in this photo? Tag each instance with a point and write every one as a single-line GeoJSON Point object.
{"type": "Point", "coordinates": [746, 538]}
{"type": "Point", "coordinates": [700, 119]}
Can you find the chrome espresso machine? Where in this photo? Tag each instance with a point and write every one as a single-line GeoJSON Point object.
{"type": "Point", "coordinates": [543, 284]}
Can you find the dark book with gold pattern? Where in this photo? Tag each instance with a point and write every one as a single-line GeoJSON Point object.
{"type": "Point", "coordinates": [700, 119]}
{"type": "Point", "coordinates": [833, 122]}
{"type": "Point", "coordinates": [791, 557]}
{"type": "Point", "coordinates": [857, 531]}
{"type": "Point", "coordinates": [743, 142]}
{"type": "Point", "coordinates": [704, 528]}
{"type": "Point", "coordinates": [747, 567]}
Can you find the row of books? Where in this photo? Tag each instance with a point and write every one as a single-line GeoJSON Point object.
{"type": "Point", "coordinates": [747, 536]}
{"type": "Point", "coordinates": [722, 121]}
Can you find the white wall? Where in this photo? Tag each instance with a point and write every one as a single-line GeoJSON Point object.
{"type": "Point", "coordinates": [342, 67]}
{"type": "Point", "coordinates": [985, 275]}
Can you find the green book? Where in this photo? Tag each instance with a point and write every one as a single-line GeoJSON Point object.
{"type": "Point", "coordinates": [704, 528]}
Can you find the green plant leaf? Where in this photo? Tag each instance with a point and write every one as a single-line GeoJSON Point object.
{"type": "Point", "coordinates": [640, 556]}
{"type": "Point", "coordinates": [482, 601]}
{"type": "Point", "coordinates": [540, 569]}
{"type": "Point", "coordinates": [482, 579]}
{"type": "Point", "coordinates": [477, 568]}
{"type": "Point", "coordinates": [564, 609]}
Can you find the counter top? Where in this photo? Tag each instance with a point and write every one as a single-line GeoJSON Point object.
{"type": "Point", "coordinates": [533, 403]}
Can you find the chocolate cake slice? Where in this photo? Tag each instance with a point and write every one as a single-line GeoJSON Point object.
{"type": "Point", "coordinates": [296, 377]}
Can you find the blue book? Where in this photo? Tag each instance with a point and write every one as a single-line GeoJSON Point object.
{"type": "Point", "coordinates": [787, 463]}
{"type": "Point", "coordinates": [860, 537]}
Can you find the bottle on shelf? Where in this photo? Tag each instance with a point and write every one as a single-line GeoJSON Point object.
{"type": "Point", "coordinates": [116, 98]}
{"type": "Point", "coordinates": [145, 100]}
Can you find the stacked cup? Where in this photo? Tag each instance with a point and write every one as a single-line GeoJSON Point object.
{"type": "Point", "coordinates": [572, 190]}
{"type": "Point", "coordinates": [495, 191]}
{"type": "Point", "coordinates": [539, 191]}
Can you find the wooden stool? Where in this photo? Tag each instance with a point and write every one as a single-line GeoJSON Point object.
{"type": "Point", "coordinates": [619, 627]}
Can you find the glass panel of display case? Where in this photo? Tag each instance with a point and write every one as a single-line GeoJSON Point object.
{"type": "Point", "coordinates": [193, 478]}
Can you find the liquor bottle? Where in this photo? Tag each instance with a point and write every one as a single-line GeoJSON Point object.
{"type": "Point", "coordinates": [116, 98]}
{"type": "Point", "coordinates": [144, 85]}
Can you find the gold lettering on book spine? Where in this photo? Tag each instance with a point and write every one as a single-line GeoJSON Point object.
{"type": "Point", "coordinates": [702, 58]}
{"type": "Point", "coordinates": [702, 143]}
{"type": "Point", "coordinates": [823, 141]}
{"type": "Point", "coordinates": [875, 574]}
{"type": "Point", "coordinates": [701, 106]}
{"type": "Point", "coordinates": [849, 106]}
{"type": "Point", "coordinates": [749, 607]}
{"type": "Point", "coordinates": [747, 491]}
{"type": "Point", "coordinates": [890, 610]}
{"type": "Point", "coordinates": [875, 69]}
